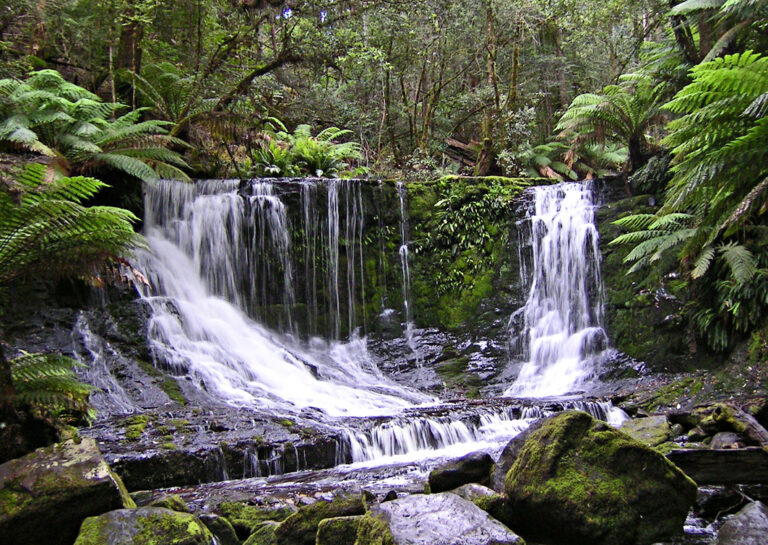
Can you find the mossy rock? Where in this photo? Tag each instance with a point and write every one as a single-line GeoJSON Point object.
{"type": "Point", "coordinates": [373, 531]}
{"type": "Point", "coordinates": [650, 430]}
{"type": "Point", "coordinates": [264, 534]}
{"type": "Point", "coordinates": [245, 518]}
{"type": "Point", "coordinates": [338, 531]}
{"type": "Point", "coordinates": [45, 495]}
{"type": "Point", "coordinates": [301, 527]}
{"type": "Point", "coordinates": [144, 526]}
{"type": "Point", "coordinates": [579, 481]}
{"type": "Point", "coordinates": [172, 502]}
{"type": "Point", "coordinates": [220, 528]}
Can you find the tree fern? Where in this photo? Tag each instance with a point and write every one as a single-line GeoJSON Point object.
{"type": "Point", "coordinates": [51, 116]}
{"type": "Point", "coordinates": [44, 230]}
{"type": "Point", "coordinates": [48, 383]}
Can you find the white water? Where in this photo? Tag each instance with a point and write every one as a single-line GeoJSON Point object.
{"type": "Point", "coordinates": [406, 272]}
{"type": "Point", "coordinates": [562, 335]}
{"type": "Point", "coordinates": [198, 327]}
{"type": "Point", "coordinates": [429, 438]}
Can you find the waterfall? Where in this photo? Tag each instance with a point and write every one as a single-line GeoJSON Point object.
{"type": "Point", "coordinates": [559, 330]}
{"type": "Point", "coordinates": [488, 429]}
{"type": "Point", "coordinates": [406, 272]}
{"type": "Point", "coordinates": [216, 252]}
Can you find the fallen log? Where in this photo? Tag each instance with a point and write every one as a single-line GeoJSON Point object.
{"type": "Point", "coordinates": [728, 466]}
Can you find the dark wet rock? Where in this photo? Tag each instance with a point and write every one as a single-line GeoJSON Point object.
{"type": "Point", "coordinates": [389, 496]}
{"type": "Point", "coordinates": [144, 526]}
{"type": "Point", "coordinates": [697, 434]}
{"type": "Point", "coordinates": [301, 527]}
{"type": "Point", "coordinates": [713, 502]}
{"type": "Point", "coordinates": [651, 430]}
{"type": "Point", "coordinates": [578, 481]}
{"type": "Point", "coordinates": [441, 519]}
{"type": "Point", "coordinates": [473, 491]}
{"type": "Point", "coordinates": [45, 495]}
{"type": "Point", "coordinates": [220, 528]}
{"type": "Point", "coordinates": [726, 439]}
{"type": "Point", "coordinates": [338, 531]}
{"type": "Point", "coordinates": [160, 449]}
{"type": "Point", "coordinates": [747, 527]}
{"type": "Point", "coordinates": [245, 518]}
{"type": "Point", "coordinates": [510, 454]}
{"type": "Point", "coordinates": [472, 468]}
{"type": "Point", "coordinates": [172, 502]}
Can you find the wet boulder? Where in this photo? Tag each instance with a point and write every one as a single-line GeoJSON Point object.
{"type": "Point", "coordinates": [45, 495]}
{"type": "Point", "coordinates": [245, 518]}
{"type": "Point", "coordinates": [579, 481]}
{"type": "Point", "coordinates": [144, 526]}
{"type": "Point", "coordinates": [472, 468]}
{"type": "Point", "coordinates": [264, 534]}
{"type": "Point", "coordinates": [651, 430]}
{"type": "Point", "coordinates": [440, 519]}
{"type": "Point", "coordinates": [338, 531]}
{"type": "Point", "coordinates": [473, 491]}
{"type": "Point", "coordinates": [172, 502]}
{"type": "Point", "coordinates": [509, 455]}
{"type": "Point", "coordinates": [301, 527]}
{"type": "Point", "coordinates": [747, 527]}
{"type": "Point", "coordinates": [220, 528]}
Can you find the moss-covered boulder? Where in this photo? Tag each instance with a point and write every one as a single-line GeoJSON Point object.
{"type": "Point", "coordinates": [172, 502]}
{"type": "Point", "coordinates": [245, 518]}
{"type": "Point", "coordinates": [650, 430]}
{"type": "Point", "coordinates": [144, 526]}
{"type": "Point", "coordinates": [220, 528]}
{"type": "Point", "coordinates": [579, 481]}
{"type": "Point", "coordinates": [338, 531]}
{"type": "Point", "coordinates": [372, 530]}
{"type": "Point", "coordinates": [45, 495]}
{"type": "Point", "coordinates": [472, 468]}
{"type": "Point", "coordinates": [263, 534]}
{"type": "Point", "coordinates": [301, 527]}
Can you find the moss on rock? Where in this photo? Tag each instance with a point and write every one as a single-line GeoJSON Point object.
{"type": "Point", "coordinates": [578, 481]}
{"type": "Point", "coordinates": [301, 527]}
{"type": "Point", "coordinates": [245, 518]}
{"type": "Point", "coordinates": [373, 531]}
{"type": "Point", "coordinates": [144, 526]}
{"type": "Point", "coordinates": [337, 531]}
{"type": "Point", "coordinates": [263, 534]}
{"type": "Point", "coordinates": [45, 495]}
{"type": "Point", "coordinates": [172, 502]}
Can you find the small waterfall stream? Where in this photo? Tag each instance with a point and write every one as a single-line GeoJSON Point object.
{"type": "Point", "coordinates": [406, 270]}
{"type": "Point", "coordinates": [559, 330]}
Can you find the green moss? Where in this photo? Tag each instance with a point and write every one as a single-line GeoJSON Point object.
{"type": "Point", "coordinates": [373, 531]}
{"type": "Point", "coordinates": [135, 426]}
{"type": "Point", "coordinates": [144, 526]}
{"type": "Point", "coordinates": [166, 383]}
{"type": "Point", "coordinates": [244, 518]}
{"type": "Point", "coordinates": [301, 527]}
{"type": "Point", "coordinates": [337, 531]}
{"type": "Point", "coordinates": [263, 535]}
{"type": "Point", "coordinates": [287, 423]}
{"type": "Point", "coordinates": [586, 476]}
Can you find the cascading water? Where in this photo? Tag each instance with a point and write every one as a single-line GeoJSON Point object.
{"type": "Point", "coordinates": [561, 333]}
{"type": "Point", "coordinates": [405, 267]}
{"type": "Point", "coordinates": [203, 279]}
